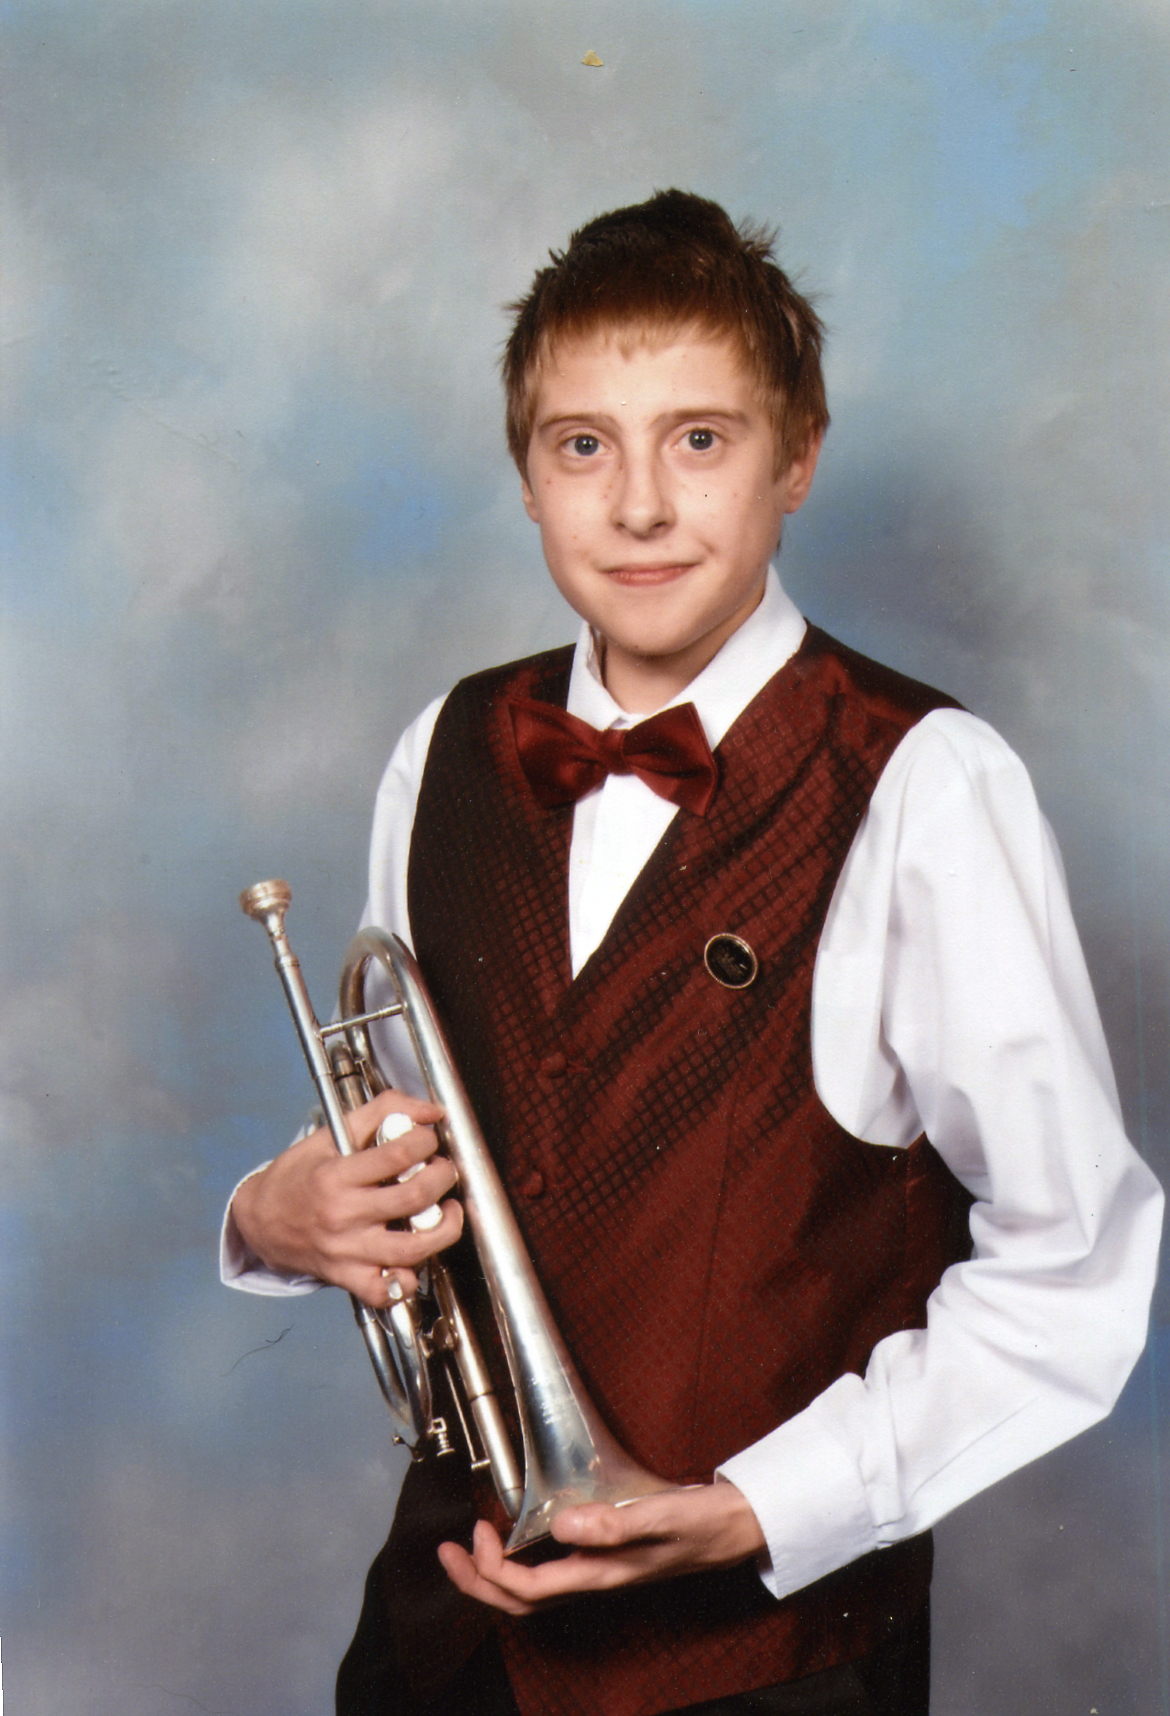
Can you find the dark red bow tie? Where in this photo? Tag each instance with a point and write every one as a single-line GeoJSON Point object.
{"type": "Point", "coordinates": [564, 758]}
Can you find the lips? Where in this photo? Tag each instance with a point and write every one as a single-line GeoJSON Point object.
{"type": "Point", "coordinates": [648, 575]}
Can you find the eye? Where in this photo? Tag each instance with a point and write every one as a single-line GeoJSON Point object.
{"type": "Point", "coordinates": [700, 440]}
{"type": "Point", "coordinates": [584, 446]}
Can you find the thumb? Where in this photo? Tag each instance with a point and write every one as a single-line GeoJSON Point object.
{"type": "Point", "coordinates": [599, 1525]}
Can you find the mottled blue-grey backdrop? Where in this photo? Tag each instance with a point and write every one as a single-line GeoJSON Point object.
{"type": "Point", "coordinates": [255, 258]}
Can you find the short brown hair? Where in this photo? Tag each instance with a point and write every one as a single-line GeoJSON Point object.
{"type": "Point", "coordinates": [674, 261]}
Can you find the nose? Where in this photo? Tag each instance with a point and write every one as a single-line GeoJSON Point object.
{"type": "Point", "coordinates": [642, 500]}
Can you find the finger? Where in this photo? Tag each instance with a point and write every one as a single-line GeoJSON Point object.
{"type": "Point", "coordinates": [552, 1581]}
{"type": "Point", "coordinates": [351, 1250]}
{"type": "Point", "coordinates": [375, 1287]}
{"type": "Point", "coordinates": [489, 1576]}
{"type": "Point", "coordinates": [427, 1184]}
{"type": "Point", "coordinates": [465, 1575]}
{"type": "Point", "coordinates": [385, 1285]}
{"type": "Point", "coordinates": [597, 1525]}
{"type": "Point", "coordinates": [386, 1161]}
{"type": "Point", "coordinates": [687, 1526]}
{"type": "Point", "coordinates": [424, 1184]}
{"type": "Point", "coordinates": [403, 1248]}
{"type": "Point", "coordinates": [363, 1122]}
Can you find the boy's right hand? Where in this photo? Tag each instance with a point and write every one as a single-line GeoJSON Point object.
{"type": "Point", "coordinates": [315, 1212]}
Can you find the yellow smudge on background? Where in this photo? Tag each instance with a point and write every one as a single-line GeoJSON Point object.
{"type": "Point", "coordinates": [591, 59]}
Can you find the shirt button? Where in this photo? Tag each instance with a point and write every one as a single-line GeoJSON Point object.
{"type": "Point", "coordinates": [532, 1185]}
{"type": "Point", "coordinates": [554, 1064]}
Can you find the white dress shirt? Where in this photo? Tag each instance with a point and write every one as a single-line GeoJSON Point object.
{"type": "Point", "coordinates": [950, 996]}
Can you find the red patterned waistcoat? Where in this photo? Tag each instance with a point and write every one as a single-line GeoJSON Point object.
{"type": "Point", "coordinates": [716, 1249]}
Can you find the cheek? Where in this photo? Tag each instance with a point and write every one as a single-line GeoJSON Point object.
{"type": "Point", "coordinates": [569, 519]}
{"type": "Point", "coordinates": [726, 515]}
{"type": "Point", "coordinates": [561, 540]}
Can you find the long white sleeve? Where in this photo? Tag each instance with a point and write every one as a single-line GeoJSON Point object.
{"type": "Point", "coordinates": [951, 997]}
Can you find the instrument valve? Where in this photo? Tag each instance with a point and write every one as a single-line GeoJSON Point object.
{"type": "Point", "coordinates": [443, 1337]}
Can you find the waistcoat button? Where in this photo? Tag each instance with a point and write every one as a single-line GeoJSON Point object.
{"type": "Point", "coordinates": [731, 961]}
{"type": "Point", "coordinates": [532, 1185]}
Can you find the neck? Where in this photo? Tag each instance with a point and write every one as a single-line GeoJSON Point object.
{"type": "Point", "coordinates": [641, 688]}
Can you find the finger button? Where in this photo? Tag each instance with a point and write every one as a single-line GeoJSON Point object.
{"type": "Point", "coordinates": [397, 1126]}
{"type": "Point", "coordinates": [426, 1219]}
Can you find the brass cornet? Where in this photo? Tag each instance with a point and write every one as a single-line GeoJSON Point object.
{"type": "Point", "coordinates": [569, 1455]}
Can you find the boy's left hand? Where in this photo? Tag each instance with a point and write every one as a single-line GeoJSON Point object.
{"type": "Point", "coordinates": [662, 1536]}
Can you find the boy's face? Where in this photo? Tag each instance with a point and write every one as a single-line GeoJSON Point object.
{"type": "Point", "coordinates": [652, 475]}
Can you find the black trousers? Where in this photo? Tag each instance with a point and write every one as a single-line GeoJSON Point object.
{"type": "Point", "coordinates": [893, 1681]}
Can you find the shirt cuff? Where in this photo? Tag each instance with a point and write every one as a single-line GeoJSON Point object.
{"type": "Point", "coordinates": [240, 1267]}
{"type": "Point", "coordinates": [804, 1486]}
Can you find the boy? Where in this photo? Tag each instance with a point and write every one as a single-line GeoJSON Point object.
{"type": "Point", "coordinates": [779, 1293]}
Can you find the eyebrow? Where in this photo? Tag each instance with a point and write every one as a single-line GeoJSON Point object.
{"type": "Point", "coordinates": [686, 414]}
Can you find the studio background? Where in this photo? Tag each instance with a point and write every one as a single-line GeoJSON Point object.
{"type": "Point", "coordinates": [261, 512]}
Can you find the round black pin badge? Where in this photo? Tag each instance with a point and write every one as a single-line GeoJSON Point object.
{"type": "Point", "coordinates": [731, 961]}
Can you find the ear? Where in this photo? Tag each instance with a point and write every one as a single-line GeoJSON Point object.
{"type": "Point", "coordinates": [529, 499]}
{"type": "Point", "coordinates": [798, 478]}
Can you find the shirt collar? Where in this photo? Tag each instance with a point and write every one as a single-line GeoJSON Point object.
{"type": "Point", "coordinates": [770, 636]}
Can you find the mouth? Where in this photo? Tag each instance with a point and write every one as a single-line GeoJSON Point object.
{"type": "Point", "coordinates": [661, 572]}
